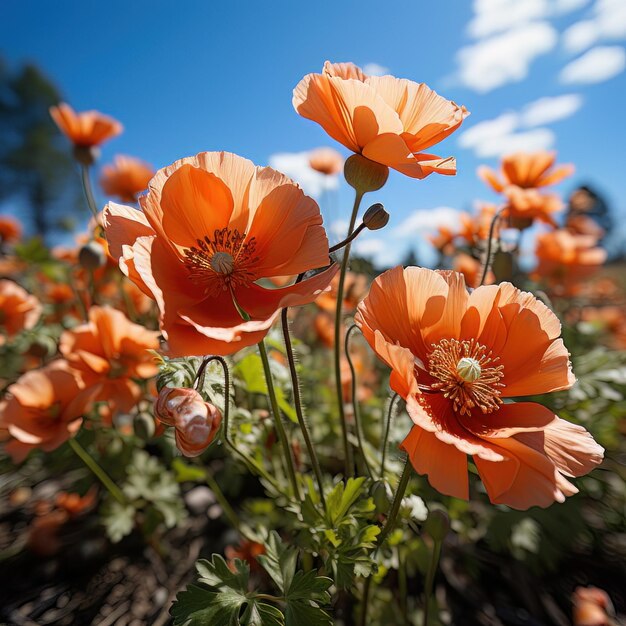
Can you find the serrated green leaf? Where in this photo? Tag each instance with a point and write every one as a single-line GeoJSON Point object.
{"type": "Point", "coordinates": [197, 606]}
{"type": "Point", "coordinates": [341, 498]}
{"type": "Point", "coordinates": [187, 473]}
{"type": "Point", "coordinates": [216, 573]}
{"type": "Point", "coordinates": [279, 561]}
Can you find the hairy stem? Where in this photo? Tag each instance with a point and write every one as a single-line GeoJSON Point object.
{"type": "Point", "coordinates": [91, 463]}
{"type": "Point", "coordinates": [297, 400]}
{"type": "Point", "coordinates": [337, 354]}
{"type": "Point", "coordinates": [386, 435]}
{"type": "Point", "coordinates": [397, 501]}
{"type": "Point", "coordinates": [355, 403]}
{"type": "Point", "coordinates": [488, 258]}
{"type": "Point", "coordinates": [280, 428]}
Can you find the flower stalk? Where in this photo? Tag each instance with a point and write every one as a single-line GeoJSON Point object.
{"type": "Point", "coordinates": [87, 188]}
{"type": "Point", "coordinates": [280, 428]}
{"type": "Point", "coordinates": [397, 501]}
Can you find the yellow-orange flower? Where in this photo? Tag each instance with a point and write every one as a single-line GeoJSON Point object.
{"type": "Point", "coordinates": [388, 120]}
{"type": "Point", "coordinates": [326, 161]}
{"type": "Point", "coordinates": [44, 409]}
{"type": "Point", "coordinates": [565, 259]}
{"type": "Point", "coordinates": [443, 240]}
{"type": "Point", "coordinates": [471, 269]}
{"type": "Point", "coordinates": [19, 310]}
{"type": "Point", "coordinates": [527, 170]}
{"type": "Point", "coordinates": [196, 422]}
{"type": "Point", "coordinates": [111, 352]}
{"type": "Point", "coordinates": [87, 129]}
{"type": "Point", "coordinates": [126, 178]}
{"type": "Point", "coordinates": [355, 288]}
{"type": "Point", "coordinates": [456, 359]}
{"type": "Point", "coordinates": [525, 205]}
{"type": "Point", "coordinates": [475, 227]}
{"type": "Point", "coordinates": [10, 229]}
{"type": "Point", "coordinates": [211, 227]}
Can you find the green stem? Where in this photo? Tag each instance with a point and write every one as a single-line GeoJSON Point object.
{"type": "Point", "coordinates": [492, 227]}
{"type": "Point", "coordinates": [297, 400]}
{"type": "Point", "coordinates": [250, 463]}
{"type": "Point", "coordinates": [280, 428]}
{"type": "Point", "coordinates": [386, 436]}
{"type": "Point", "coordinates": [86, 180]}
{"type": "Point", "coordinates": [430, 578]}
{"type": "Point", "coordinates": [397, 501]}
{"type": "Point", "coordinates": [90, 462]}
{"type": "Point", "coordinates": [223, 502]}
{"type": "Point", "coordinates": [355, 403]}
{"type": "Point", "coordinates": [337, 354]}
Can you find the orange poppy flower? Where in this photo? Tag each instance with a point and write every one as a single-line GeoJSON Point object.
{"type": "Point", "coordinates": [19, 310]}
{"type": "Point", "coordinates": [326, 161]}
{"type": "Point", "coordinates": [126, 178]}
{"type": "Point", "coordinates": [584, 225]}
{"type": "Point", "coordinates": [387, 120]}
{"type": "Point", "coordinates": [471, 269]}
{"type": "Point", "coordinates": [355, 288]}
{"type": "Point", "coordinates": [85, 130]}
{"type": "Point", "coordinates": [110, 351]}
{"type": "Point", "coordinates": [443, 241]}
{"type": "Point", "coordinates": [211, 227]}
{"type": "Point", "coordinates": [475, 227]}
{"type": "Point", "coordinates": [196, 421]}
{"type": "Point", "coordinates": [525, 205]}
{"type": "Point", "coordinates": [10, 229]}
{"type": "Point", "coordinates": [456, 358]}
{"type": "Point", "coordinates": [44, 409]}
{"type": "Point", "coordinates": [565, 259]}
{"type": "Point", "coordinates": [527, 170]}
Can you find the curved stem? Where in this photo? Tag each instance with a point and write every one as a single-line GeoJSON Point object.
{"type": "Point", "coordinates": [250, 463]}
{"type": "Point", "coordinates": [84, 171]}
{"type": "Point", "coordinates": [297, 400]}
{"type": "Point", "coordinates": [430, 578]}
{"type": "Point", "coordinates": [104, 478]}
{"type": "Point", "coordinates": [280, 428]}
{"type": "Point", "coordinates": [397, 501]}
{"type": "Point", "coordinates": [337, 353]}
{"type": "Point", "coordinates": [492, 227]}
{"type": "Point", "coordinates": [386, 436]}
{"type": "Point", "coordinates": [348, 240]}
{"type": "Point", "coordinates": [355, 403]}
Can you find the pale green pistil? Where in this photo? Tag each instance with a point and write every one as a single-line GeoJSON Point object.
{"type": "Point", "coordinates": [468, 369]}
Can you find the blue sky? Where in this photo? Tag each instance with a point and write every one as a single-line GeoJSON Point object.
{"type": "Point", "coordinates": [197, 75]}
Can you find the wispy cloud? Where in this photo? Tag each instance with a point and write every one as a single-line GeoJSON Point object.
{"type": "Point", "coordinates": [504, 58]}
{"type": "Point", "coordinates": [375, 69]}
{"type": "Point", "coordinates": [548, 110]}
{"type": "Point", "coordinates": [607, 22]}
{"type": "Point", "coordinates": [296, 165]}
{"type": "Point", "coordinates": [514, 131]}
{"type": "Point", "coordinates": [595, 66]}
{"type": "Point", "coordinates": [427, 220]}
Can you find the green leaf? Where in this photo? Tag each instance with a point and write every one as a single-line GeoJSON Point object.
{"type": "Point", "coordinates": [216, 573]}
{"type": "Point", "coordinates": [342, 498]}
{"type": "Point", "coordinates": [119, 520]}
{"type": "Point", "coordinates": [187, 473]}
{"type": "Point", "coordinates": [197, 606]}
{"type": "Point", "coordinates": [279, 561]}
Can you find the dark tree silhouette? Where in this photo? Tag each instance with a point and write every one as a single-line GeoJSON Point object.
{"type": "Point", "coordinates": [36, 167]}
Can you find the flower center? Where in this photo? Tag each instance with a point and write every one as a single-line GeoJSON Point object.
{"type": "Point", "coordinates": [222, 262]}
{"type": "Point", "coordinates": [466, 374]}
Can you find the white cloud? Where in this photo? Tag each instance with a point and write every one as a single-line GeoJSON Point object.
{"type": "Point", "coordinates": [381, 252]}
{"type": "Point", "coordinates": [595, 66]}
{"type": "Point", "coordinates": [424, 220]}
{"type": "Point", "coordinates": [504, 58]}
{"type": "Point", "coordinates": [547, 110]}
{"type": "Point", "coordinates": [607, 22]}
{"type": "Point", "coordinates": [374, 69]}
{"type": "Point", "coordinates": [494, 16]}
{"type": "Point", "coordinates": [338, 229]}
{"type": "Point", "coordinates": [476, 135]}
{"type": "Point", "coordinates": [525, 141]}
{"type": "Point", "coordinates": [296, 166]}
{"type": "Point", "coordinates": [567, 6]}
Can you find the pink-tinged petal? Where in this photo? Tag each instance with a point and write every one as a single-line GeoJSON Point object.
{"type": "Point", "coordinates": [572, 449]}
{"type": "Point", "coordinates": [526, 478]}
{"type": "Point", "coordinates": [123, 225]}
{"type": "Point", "coordinates": [444, 465]}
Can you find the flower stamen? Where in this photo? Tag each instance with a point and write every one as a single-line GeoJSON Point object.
{"type": "Point", "coordinates": [466, 375]}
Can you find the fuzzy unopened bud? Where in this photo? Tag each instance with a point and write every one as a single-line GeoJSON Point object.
{"type": "Point", "coordinates": [437, 524]}
{"type": "Point", "coordinates": [364, 175]}
{"type": "Point", "coordinates": [92, 256]}
{"type": "Point", "coordinates": [196, 421]}
{"type": "Point", "coordinates": [376, 217]}
{"type": "Point", "coordinates": [86, 155]}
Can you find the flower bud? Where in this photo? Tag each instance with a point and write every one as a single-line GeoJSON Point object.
{"type": "Point", "coordinates": [437, 524]}
{"type": "Point", "coordinates": [376, 217]}
{"type": "Point", "coordinates": [364, 175]}
{"type": "Point", "coordinates": [196, 421]}
{"type": "Point", "coordinates": [86, 155]}
{"type": "Point", "coordinates": [92, 256]}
